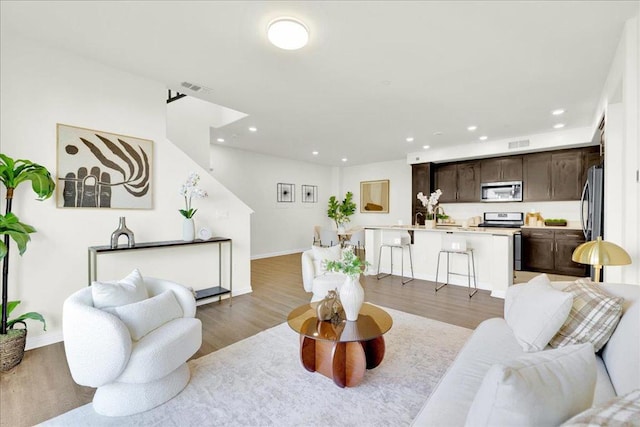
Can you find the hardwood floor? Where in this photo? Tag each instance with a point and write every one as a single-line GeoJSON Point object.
{"type": "Point", "coordinates": [41, 387]}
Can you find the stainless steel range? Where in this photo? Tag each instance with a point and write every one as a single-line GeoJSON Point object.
{"type": "Point", "coordinates": [508, 220]}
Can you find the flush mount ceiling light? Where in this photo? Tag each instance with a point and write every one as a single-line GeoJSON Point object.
{"type": "Point", "coordinates": [253, 129]}
{"type": "Point", "coordinates": [426, 147]}
{"type": "Point", "coordinates": [558, 112]}
{"type": "Point", "coordinates": [344, 159]}
{"type": "Point", "coordinates": [558, 126]}
{"type": "Point", "coordinates": [472, 128]}
{"type": "Point", "coordinates": [410, 139]}
{"type": "Point", "coordinates": [315, 153]}
{"type": "Point", "coordinates": [288, 33]}
{"type": "Point", "coordinates": [220, 139]}
{"type": "Point", "coordinates": [483, 138]}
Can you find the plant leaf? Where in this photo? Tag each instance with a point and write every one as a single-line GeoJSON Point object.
{"type": "Point", "coordinates": [31, 315]}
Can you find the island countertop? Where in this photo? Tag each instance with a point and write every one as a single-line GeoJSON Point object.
{"type": "Point", "coordinates": [447, 228]}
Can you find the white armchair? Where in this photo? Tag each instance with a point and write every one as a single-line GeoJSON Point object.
{"type": "Point", "coordinates": [130, 376]}
{"type": "Point", "coordinates": [314, 278]}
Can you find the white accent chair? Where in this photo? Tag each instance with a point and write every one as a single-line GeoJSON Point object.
{"type": "Point", "coordinates": [315, 279]}
{"type": "Point", "coordinates": [130, 376]}
{"type": "Point", "coordinates": [357, 241]}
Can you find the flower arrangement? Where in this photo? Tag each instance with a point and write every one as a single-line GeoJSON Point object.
{"type": "Point", "coordinates": [350, 264]}
{"type": "Point", "coordinates": [430, 202]}
{"type": "Point", "coordinates": [189, 190]}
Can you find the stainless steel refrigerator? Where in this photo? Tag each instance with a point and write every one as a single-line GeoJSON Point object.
{"type": "Point", "coordinates": [592, 205]}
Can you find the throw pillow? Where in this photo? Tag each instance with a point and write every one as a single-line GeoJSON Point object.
{"type": "Point", "coordinates": [322, 255]}
{"type": "Point", "coordinates": [144, 316]}
{"type": "Point", "coordinates": [107, 295]}
{"type": "Point", "coordinates": [621, 411]}
{"type": "Point", "coordinates": [593, 317]}
{"type": "Point", "coordinates": [535, 311]}
{"type": "Point", "coordinates": [540, 389]}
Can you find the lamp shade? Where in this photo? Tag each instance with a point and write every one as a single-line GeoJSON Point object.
{"type": "Point", "coordinates": [599, 252]}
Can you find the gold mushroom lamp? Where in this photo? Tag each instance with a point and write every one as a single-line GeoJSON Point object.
{"type": "Point", "coordinates": [598, 253]}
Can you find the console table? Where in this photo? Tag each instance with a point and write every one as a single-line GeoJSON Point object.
{"type": "Point", "coordinates": [215, 291]}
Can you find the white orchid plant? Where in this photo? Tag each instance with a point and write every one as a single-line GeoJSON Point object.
{"type": "Point", "coordinates": [430, 202]}
{"type": "Point", "coordinates": [189, 190]}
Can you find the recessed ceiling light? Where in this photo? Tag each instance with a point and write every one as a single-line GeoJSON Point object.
{"type": "Point", "coordinates": [220, 139]}
{"type": "Point", "coordinates": [558, 126]}
{"type": "Point", "coordinates": [410, 139]}
{"type": "Point", "coordinates": [558, 112]}
{"type": "Point", "coordinates": [483, 138]}
{"type": "Point", "coordinates": [426, 147]}
{"type": "Point", "coordinates": [315, 153]}
{"type": "Point", "coordinates": [253, 129]}
{"type": "Point", "coordinates": [472, 128]}
{"type": "Point", "coordinates": [288, 33]}
{"type": "Point", "coordinates": [344, 159]}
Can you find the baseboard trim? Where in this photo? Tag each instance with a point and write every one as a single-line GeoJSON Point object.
{"type": "Point", "coordinates": [42, 340]}
{"type": "Point", "coordinates": [288, 252]}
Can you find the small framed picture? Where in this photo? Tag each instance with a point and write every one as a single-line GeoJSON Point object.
{"type": "Point", "coordinates": [286, 193]}
{"type": "Point", "coordinates": [309, 194]}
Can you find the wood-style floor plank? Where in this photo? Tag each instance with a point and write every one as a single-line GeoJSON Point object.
{"type": "Point", "coordinates": [41, 387]}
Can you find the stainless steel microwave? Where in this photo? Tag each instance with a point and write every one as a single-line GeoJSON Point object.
{"type": "Point", "coordinates": [501, 191]}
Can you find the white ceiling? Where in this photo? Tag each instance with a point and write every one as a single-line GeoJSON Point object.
{"type": "Point", "coordinates": [373, 73]}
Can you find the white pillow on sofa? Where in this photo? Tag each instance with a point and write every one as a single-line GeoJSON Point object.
{"type": "Point", "coordinates": [535, 311]}
{"type": "Point", "coordinates": [322, 255]}
{"type": "Point", "coordinates": [539, 389]}
{"type": "Point", "coordinates": [107, 295]}
{"type": "Point", "coordinates": [144, 316]}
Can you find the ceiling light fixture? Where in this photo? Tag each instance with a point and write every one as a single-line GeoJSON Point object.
{"type": "Point", "coordinates": [472, 128]}
{"type": "Point", "coordinates": [558, 112]}
{"type": "Point", "coordinates": [288, 33]}
{"type": "Point", "coordinates": [558, 126]}
{"type": "Point", "coordinates": [483, 138]}
{"type": "Point", "coordinates": [220, 139]}
{"type": "Point", "coordinates": [253, 129]}
{"type": "Point", "coordinates": [344, 159]}
{"type": "Point", "coordinates": [426, 147]}
{"type": "Point", "coordinates": [410, 139]}
{"type": "Point", "coordinates": [315, 153]}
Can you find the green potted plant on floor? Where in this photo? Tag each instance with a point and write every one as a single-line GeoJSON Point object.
{"type": "Point", "coordinates": [341, 211]}
{"type": "Point", "coordinates": [13, 173]}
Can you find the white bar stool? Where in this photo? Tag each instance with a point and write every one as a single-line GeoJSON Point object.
{"type": "Point", "coordinates": [391, 241]}
{"type": "Point", "coordinates": [457, 245]}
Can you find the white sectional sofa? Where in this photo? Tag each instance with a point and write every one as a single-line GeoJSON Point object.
{"type": "Point", "coordinates": [493, 342]}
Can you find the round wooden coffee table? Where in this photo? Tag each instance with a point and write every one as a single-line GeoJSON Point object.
{"type": "Point", "coordinates": [340, 349]}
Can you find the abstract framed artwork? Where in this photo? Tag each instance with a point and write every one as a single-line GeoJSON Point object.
{"type": "Point", "coordinates": [374, 196]}
{"type": "Point", "coordinates": [98, 169]}
{"type": "Point", "coordinates": [309, 194]}
{"type": "Point", "coordinates": [286, 193]}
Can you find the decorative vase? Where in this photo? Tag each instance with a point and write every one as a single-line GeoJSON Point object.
{"type": "Point", "coordinates": [341, 229]}
{"type": "Point", "coordinates": [429, 223]}
{"type": "Point", "coordinates": [188, 230]}
{"type": "Point", "coordinates": [122, 230]}
{"type": "Point", "coordinates": [351, 297]}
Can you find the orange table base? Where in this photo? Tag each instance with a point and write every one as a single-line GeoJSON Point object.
{"type": "Point", "coordinates": [344, 362]}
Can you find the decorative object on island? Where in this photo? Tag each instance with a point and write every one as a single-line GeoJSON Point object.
{"type": "Point", "coordinates": [374, 196]}
{"type": "Point", "coordinates": [598, 253]}
{"type": "Point", "coordinates": [188, 190]}
{"type": "Point", "coordinates": [12, 174]}
{"type": "Point", "coordinates": [431, 203]}
{"type": "Point", "coordinates": [329, 308]}
{"type": "Point", "coordinates": [351, 293]}
{"type": "Point", "coordinates": [341, 211]}
{"type": "Point", "coordinates": [122, 230]}
{"type": "Point", "coordinates": [103, 170]}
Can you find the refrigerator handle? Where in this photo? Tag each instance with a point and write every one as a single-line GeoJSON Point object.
{"type": "Point", "coordinates": [582, 200]}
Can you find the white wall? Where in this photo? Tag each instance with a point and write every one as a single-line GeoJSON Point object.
{"type": "Point", "coordinates": [398, 172]}
{"type": "Point", "coordinates": [41, 87]}
{"type": "Point", "coordinates": [276, 228]}
{"type": "Point", "coordinates": [620, 104]}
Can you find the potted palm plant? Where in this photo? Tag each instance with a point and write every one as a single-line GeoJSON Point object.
{"type": "Point", "coordinates": [341, 211]}
{"type": "Point", "coordinates": [13, 173]}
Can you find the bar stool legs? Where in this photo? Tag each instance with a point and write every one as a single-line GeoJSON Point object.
{"type": "Point", "coordinates": [379, 276]}
{"type": "Point", "coordinates": [471, 268]}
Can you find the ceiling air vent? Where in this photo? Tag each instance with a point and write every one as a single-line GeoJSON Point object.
{"type": "Point", "coordinates": [191, 86]}
{"type": "Point", "coordinates": [518, 144]}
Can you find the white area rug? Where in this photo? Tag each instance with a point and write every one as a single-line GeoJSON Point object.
{"type": "Point", "coordinates": [260, 381]}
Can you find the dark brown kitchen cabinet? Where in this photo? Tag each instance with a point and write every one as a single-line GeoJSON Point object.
{"type": "Point", "coordinates": [421, 180]}
{"type": "Point", "coordinates": [501, 169]}
{"type": "Point", "coordinates": [591, 157]}
{"type": "Point", "coordinates": [566, 175]}
{"type": "Point", "coordinates": [536, 169]}
{"type": "Point", "coordinates": [549, 251]}
{"type": "Point", "coordinates": [459, 182]}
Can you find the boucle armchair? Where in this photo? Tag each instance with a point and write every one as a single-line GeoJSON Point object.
{"type": "Point", "coordinates": [134, 370]}
{"type": "Point", "coordinates": [315, 278]}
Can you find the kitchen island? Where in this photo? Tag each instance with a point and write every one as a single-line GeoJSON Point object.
{"type": "Point", "coordinates": [492, 248]}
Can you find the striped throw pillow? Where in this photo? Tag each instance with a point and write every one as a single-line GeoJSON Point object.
{"type": "Point", "coordinates": [621, 411]}
{"type": "Point", "coordinates": [593, 317]}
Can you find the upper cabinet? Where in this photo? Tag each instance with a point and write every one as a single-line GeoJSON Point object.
{"type": "Point", "coordinates": [459, 182]}
{"type": "Point", "coordinates": [421, 180]}
{"type": "Point", "coordinates": [537, 177]}
{"type": "Point", "coordinates": [566, 175]}
{"type": "Point", "coordinates": [501, 169]}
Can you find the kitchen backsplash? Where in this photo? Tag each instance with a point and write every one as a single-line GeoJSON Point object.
{"type": "Point", "coordinates": [566, 210]}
